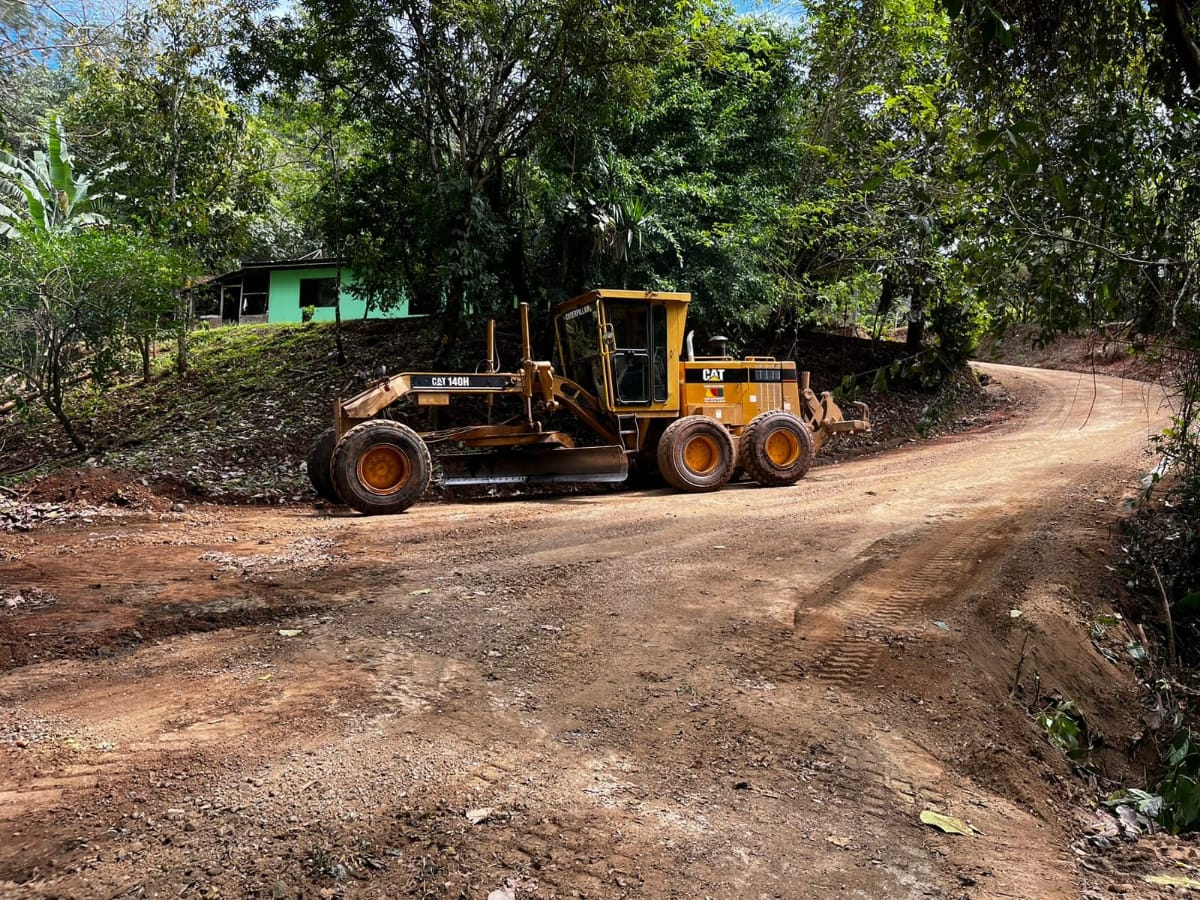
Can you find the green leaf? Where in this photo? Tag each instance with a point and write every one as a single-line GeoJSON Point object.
{"type": "Point", "coordinates": [1060, 189]}
{"type": "Point", "coordinates": [59, 162]}
{"type": "Point", "coordinates": [1180, 748]}
{"type": "Point", "coordinates": [985, 140]}
{"type": "Point", "coordinates": [1190, 601]}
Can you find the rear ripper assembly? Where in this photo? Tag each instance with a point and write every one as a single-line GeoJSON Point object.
{"type": "Point", "coordinates": [619, 373]}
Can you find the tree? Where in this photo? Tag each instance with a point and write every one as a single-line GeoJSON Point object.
{"type": "Point", "coordinates": [1086, 140]}
{"type": "Point", "coordinates": [71, 303]}
{"type": "Point", "coordinates": [889, 208]}
{"type": "Point", "coordinates": [38, 39]}
{"type": "Point", "coordinates": [1089, 120]}
{"type": "Point", "coordinates": [44, 190]}
{"type": "Point", "coordinates": [456, 95]}
{"type": "Point", "coordinates": [189, 164]}
{"type": "Point", "coordinates": [682, 191]}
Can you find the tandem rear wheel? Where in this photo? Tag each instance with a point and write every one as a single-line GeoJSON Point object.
{"type": "Point", "coordinates": [696, 454]}
{"type": "Point", "coordinates": [776, 448]}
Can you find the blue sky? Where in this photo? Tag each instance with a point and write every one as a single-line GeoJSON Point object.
{"type": "Point", "coordinates": [791, 10]}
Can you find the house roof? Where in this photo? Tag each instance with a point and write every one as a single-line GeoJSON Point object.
{"type": "Point", "coordinates": [311, 261]}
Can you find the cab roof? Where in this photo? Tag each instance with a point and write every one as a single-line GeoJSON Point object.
{"type": "Point", "coordinates": [615, 294]}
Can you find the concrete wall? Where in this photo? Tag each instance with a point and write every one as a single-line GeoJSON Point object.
{"type": "Point", "coordinates": [284, 305]}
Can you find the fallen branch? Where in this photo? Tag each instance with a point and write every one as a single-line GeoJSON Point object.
{"type": "Point", "coordinates": [1146, 647]}
{"type": "Point", "coordinates": [1017, 675]}
{"type": "Point", "coordinates": [1167, 613]}
{"type": "Point", "coordinates": [17, 470]}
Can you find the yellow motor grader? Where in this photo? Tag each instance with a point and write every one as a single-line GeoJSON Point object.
{"type": "Point", "coordinates": [619, 373]}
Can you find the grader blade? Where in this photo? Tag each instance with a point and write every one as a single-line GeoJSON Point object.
{"type": "Point", "coordinates": [535, 466]}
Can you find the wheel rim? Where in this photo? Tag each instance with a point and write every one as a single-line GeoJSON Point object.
{"type": "Point", "coordinates": [782, 447]}
{"type": "Point", "coordinates": [701, 455]}
{"type": "Point", "coordinates": [384, 469]}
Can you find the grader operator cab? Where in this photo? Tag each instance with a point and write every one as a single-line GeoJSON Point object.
{"type": "Point", "coordinates": [620, 374]}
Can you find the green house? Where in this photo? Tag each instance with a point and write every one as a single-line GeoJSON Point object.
{"type": "Point", "coordinates": [280, 290]}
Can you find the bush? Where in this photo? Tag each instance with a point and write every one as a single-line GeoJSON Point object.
{"type": "Point", "coordinates": [72, 302]}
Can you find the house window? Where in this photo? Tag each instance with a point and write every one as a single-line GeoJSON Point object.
{"type": "Point", "coordinates": [256, 285]}
{"type": "Point", "coordinates": [318, 292]}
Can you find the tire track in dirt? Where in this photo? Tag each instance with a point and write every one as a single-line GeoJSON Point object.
{"type": "Point", "coordinates": [850, 624]}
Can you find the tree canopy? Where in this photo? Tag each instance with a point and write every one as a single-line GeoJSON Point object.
{"type": "Point", "coordinates": [935, 164]}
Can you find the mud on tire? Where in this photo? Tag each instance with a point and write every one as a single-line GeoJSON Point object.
{"type": "Point", "coordinates": [319, 463]}
{"type": "Point", "coordinates": [381, 467]}
{"type": "Point", "coordinates": [695, 454]}
{"type": "Point", "coordinates": [776, 448]}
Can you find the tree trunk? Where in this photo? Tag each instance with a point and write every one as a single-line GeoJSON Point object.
{"type": "Point", "coordinates": [916, 320]}
{"type": "Point", "coordinates": [145, 343]}
{"type": "Point", "coordinates": [181, 330]}
{"type": "Point", "coordinates": [451, 320]}
{"type": "Point", "coordinates": [456, 298]}
{"type": "Point", "coordinates": [337, 252]}
{"type": "Point", "coordinates": [53, 398]}
{"type": "Point", "coordinates": [1176, 16]}
{"type": "Point", "coordinates": [60, 414]}
{"type": "Point", "coordinates": [182, 309]}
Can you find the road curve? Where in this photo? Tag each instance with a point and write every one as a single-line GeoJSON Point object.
{"type": "Point", "coordinates": [742, 694]}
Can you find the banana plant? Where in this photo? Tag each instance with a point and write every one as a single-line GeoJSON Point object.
{"type": "Point", "coordinates": [44, 191]}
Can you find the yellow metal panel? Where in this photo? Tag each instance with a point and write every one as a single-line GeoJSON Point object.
{"type": "Point", "coordinates": [730, 414]}
{"type": "Point", "coordinates": [433, 399]}
{"type": "Point", "coordinates": [675, 296]}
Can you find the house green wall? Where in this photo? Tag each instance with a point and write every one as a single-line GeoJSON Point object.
{"type": "Point", "coordinates": [284, 302]}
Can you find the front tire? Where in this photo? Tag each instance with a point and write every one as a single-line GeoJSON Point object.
{"type": "Point", "coordinates": [776, 448]}
{"type": "Point", "coordinates": [318, 465]}
{"type": "Point", "coordinates": [696, 454]}
{"type": "Point", "coordinates": [381, 467]}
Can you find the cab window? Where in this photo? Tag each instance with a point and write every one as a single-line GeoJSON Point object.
{"type": "Point", "coordinates": [639, 357]}
{"type": "Point", "coordinates": [581, 345]}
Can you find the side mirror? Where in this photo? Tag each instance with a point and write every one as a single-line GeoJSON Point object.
{"type": "Point", "coordinates": [610, 338]}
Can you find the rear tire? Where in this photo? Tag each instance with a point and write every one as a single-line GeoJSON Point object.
{"type": "Point", "coordinates": [696, 454]}
{"type": "Point", "coordinates": [776, 448]}
{"type": "Point", "coordinates": [381, 467]}
{"type": "Point", "coordinates": [318, 464]}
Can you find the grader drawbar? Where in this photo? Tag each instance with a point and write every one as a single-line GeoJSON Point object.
{"type": "Point", "coordinates": [622, 372]}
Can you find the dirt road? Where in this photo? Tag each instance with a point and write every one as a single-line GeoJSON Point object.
{"type": "Point", "coordinates": [753, 693]}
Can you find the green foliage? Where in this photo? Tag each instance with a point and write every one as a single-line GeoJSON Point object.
{"type": "Point", "coordinates": [1180, 785]}
{"type": "Point", "coordinates": [44, 190]}
{"type": "Point", "coordinates": [696, 175]}
{"type": "Point", "coordinates": [73, 302]}
{"type": "Point", "coordinates": [456, 96]}
{"type": "Point", "coordinates": [1175, 800]}
{"type": "Point", "coordinates": [1162, 553]}
{"type": "Point", "coordinates": [1067, 730]}
{"type": "Point", "coordinates": [183, 160]}
{"type": "Point", "coordinates": [25, 95]}
{"type": "Point", "coordinates": [784, 175]}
